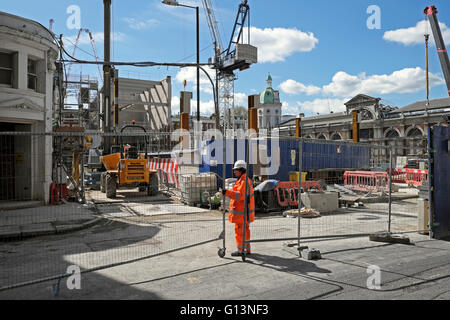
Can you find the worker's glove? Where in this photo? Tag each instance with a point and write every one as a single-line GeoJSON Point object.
{"type": "Point", "coordinates": [224, 191]}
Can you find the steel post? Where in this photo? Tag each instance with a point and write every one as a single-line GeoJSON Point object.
{"type": "Point", "coordinates": [390, 189]}
{"type": "Point", "coordinates": [299, 199]}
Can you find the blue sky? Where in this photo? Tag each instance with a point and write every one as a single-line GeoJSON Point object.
{"type": "Point", "coordinates": [319, 53]}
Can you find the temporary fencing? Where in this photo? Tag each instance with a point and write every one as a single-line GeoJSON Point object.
{"type": "Point", "coordinates": [70, 208]}
{"type": "Point", "coordinates": [349, 191]}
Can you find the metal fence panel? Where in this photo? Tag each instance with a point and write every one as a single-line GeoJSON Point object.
{"type": "Point", "coordinates": [349, 189]}
{"type": "Point", "coordinates": [80, 224]}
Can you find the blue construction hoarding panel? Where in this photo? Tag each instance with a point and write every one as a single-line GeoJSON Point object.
{"type": "Point", "coordinates": [315, 156]}
{"type": "Point", "coordinates": [212, 157]}
{"type": "Point", "coordinates": [441, 180]}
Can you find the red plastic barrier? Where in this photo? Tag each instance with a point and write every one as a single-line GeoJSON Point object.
{"type": "Point", "coordinates": [287, 192]}
{"type": "Point", "coordinates": [416, 176]}
{"type": "Point", "coordinates": [398, 175]}
{"type": "Point", "coordinates": [169, 167]}
{"type": "Point", "coordinates": [366, 181]}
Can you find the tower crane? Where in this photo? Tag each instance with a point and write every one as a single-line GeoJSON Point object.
{"type": "Point", "coordinates": [75, 47]}
{"type": "Point", "coordinates": [431, 12]}
{"type": "Point", "coordinates": [236, 55]}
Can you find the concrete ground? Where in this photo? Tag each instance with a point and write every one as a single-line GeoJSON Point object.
{"type": "Point", "coordinates": [30, 218]}
{"type": "Point", "coordinates": [130, 231]}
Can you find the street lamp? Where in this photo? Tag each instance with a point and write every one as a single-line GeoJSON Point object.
{"type": "Point", "coordinates": [176, 4]}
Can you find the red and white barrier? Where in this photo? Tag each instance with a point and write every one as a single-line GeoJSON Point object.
{"type": "Point", "coordinates": [167, 166]}
{"type": "Point", "coordinates": [409, 176]}
{"type": "Point", "coordinates": [398, 175]}
{"type": "Point", "coordinates": [416, 176]}
{"type": "Point", "coordinates": [366, 181]}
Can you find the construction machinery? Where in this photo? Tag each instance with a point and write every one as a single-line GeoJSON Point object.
{"type": "Point", "coordinates": [127, 166]}
{"type": "Point", "coordinates": [431, 12]}
{"type": "Point", "coordinates": [237, 55]}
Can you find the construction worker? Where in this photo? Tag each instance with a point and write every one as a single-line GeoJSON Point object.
{"type": "Point", "coordinates": [236, 210]}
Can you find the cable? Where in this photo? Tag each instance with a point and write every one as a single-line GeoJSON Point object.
{"type": "Point", "coordinates": [207, 47]}
{"type": "Point", "coordinates": [70, 41]}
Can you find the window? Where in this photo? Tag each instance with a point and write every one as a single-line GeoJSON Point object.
{"type": "Point", "coordinates": [336, 137]}
{"type": "Point", "coordinates": [32, 75]}
{"type": "Point", "coordinates": [6, 68]}
{"type": "Point", "coordinates": [366, 115]}
{"type": "Point", "coordinates": [366, 133]}
{"type": "Point", "coordinates": [392, 134]}
{"type": "Point", "coordinates": [415, 132]}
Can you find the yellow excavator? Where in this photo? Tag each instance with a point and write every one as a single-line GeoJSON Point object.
{"type": "Point", "coordinates": [128, 167]}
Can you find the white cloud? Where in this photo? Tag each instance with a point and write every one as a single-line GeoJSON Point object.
{"type": "Point", "coordinates": [97, 36]}
{"type": "Point", "coordinates": [288, 109]}
{"type": "Point", "coordinates": [175, 106]}
{"type": "Point", "coordinates": [415, 35]}
{"type": "Point", "coordinates": [190, 75]}
{"type": "Point", "coordinates": [274, 45]}
{"type": "Point", "coordinates": [407, 80]}
{"type": "Point", "coordinates": [140, 24]}
{"type": "Point", "coordinates": [323, 105]}
{"type": "Point", "coordinates": [206, 107]}
{"type": "Point", "coordinates": [293, 87]}
{"type": "Point", "coordinates": [240, 99]}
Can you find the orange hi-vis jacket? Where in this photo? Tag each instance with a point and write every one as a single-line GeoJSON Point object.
{"type": "Point", "coordinates": [237, 196]}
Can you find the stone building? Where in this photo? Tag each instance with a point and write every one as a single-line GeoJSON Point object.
{"type": "Point", "coordinates": [269, 107]}
{"type": "Point", "coordinates": [404, 127]}
{"type": "Point", "coordinates": [27, 63]}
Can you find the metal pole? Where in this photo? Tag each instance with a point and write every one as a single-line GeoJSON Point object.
{"type": "Point", "coordinates": [426, 66]}
{"type": "Point", "coordinates": [107, 74]}
{"type": "Point", "coordinates": [61, 106]}
{"type": "Point", "coordinates": [224, 172]}
{"type": "Point", "coordinates": [390, 188]}
{"type": "Point", "coordinates": [247, 160]}
{"type": "Point", "coordinates": [83, 198]}
{"type": "Point", "coordinates": [300, 164]}
{"type": "Point", "coordinates": [217, 103]}
{"type": "Point", "coordinates": [198, 65]}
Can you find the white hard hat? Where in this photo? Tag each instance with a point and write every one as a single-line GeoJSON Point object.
{"type": "Point", "coordinates": [240, 164]}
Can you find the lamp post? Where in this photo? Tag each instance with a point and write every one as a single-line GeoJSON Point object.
{"type": "Point", "coordinates": [176, 3]}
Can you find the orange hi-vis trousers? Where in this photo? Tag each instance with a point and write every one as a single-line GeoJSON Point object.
{"type": "Point", "coordinates": [239, 232]}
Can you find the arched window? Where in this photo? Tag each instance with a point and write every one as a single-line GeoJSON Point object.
{"type": "Point", "coordinates": [391, 134]}
{"type": "Point", "coordinates": [415, 132]}
{"type": "Point", "coordinates": [366, 115]}
{"type": "Point", "coordinates": [322, 137]}
{"type": "Point", "coordinates": [416, 143]}
{"type": "Point", "coordinates": [336, 137]}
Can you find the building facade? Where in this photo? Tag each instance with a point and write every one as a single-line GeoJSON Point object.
{"type": "Point", "coordinates": [27, 63]}
{"type": "Point", "coordinates": [268, 107]}
{"type": "Point", "coordinates": [406, 127]}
